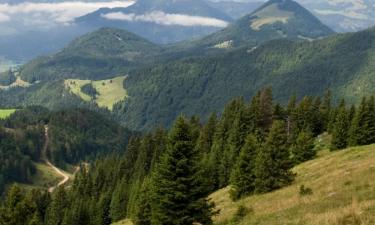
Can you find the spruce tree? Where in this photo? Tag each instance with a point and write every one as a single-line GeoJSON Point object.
{"type": "Point", "coordinates": [177, 196]}
{"type": "Point", "coordinates": [359, 129]}
{"type": "Point", "coordinates": [303, 148]}
{"type": "Point", "coordinates": [242, 178]}
{"type": "Point", "coordinates": [273, 163]}
{"type": "Point", "coordinates": [340, 128]}
{"type": "Point", "coordinates": [143, 209]}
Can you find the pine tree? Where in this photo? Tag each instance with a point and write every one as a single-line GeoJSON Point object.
{"type": "Point", "coordinates": [118, 203]}
{"type": "Point", "coordinates": [143, 209]}
{"type": "Point", "coordinates": [56, 211]}
{"type": "Point", "coordinates": [273, 164]}
{"type": "Point", "coordinates": [303, 148]}
{"type": "Point", "coordinates": [266, 108]}
{"type": "Point", "coordinates": [359, 129]}
{"type": "Point", "coordinates": [177, 196]}
{"type": "Point", "coordinates": [340, 128]}
{"type": "Point", "coordinates": [242, 178]}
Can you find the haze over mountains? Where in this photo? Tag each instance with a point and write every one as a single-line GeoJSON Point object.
{"type": "Point", "coordinates": [24, 25]}
{"type": "Point", "coordinates": [190, 77]}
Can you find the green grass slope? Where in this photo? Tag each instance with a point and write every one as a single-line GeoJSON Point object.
{"type": "Point", "coordinates": [109, 92]}
{"type": "Point", "coordinates": [5, 113]}
{"type": "Point", "coordinates": [343, 193]}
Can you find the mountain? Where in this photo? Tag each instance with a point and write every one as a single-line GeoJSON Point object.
{"type": "Point", "coordinates": [199, 85]}
{"type": "Point", "coordinates": [161, 21]}
{"type": "Point", "coordinates": [274, 19]}
{"type": "Point", "coordinates": [100, 54]}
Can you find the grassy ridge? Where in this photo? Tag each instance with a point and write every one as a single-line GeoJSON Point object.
{"type": "Point", "coordinates": [5, 113]}
{"type": "Point", "coordinates": [343, 185]}
{"type": "Point", "coordinates": [109, 91]}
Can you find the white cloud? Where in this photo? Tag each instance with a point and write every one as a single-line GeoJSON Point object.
{"type": "Point", "coordinates": [63, 12]}
{"type": "Point", "coordinates": [4, 17]}
{"type": "Point", "coordinates": [163, 18]}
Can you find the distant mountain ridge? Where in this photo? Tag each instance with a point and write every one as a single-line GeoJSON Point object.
{"type": "Point", "coordinates": [150, 19]}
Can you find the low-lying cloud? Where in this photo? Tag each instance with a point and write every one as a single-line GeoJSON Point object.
{"type": "Point", "coordinates": [62, 12]}
{"type": "Point", "coordinates": [163, 18]}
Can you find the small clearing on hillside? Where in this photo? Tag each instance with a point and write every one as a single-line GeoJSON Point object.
{"type": "Point", "coordinates": [109, 91]}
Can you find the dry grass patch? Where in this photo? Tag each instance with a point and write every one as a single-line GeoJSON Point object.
{"type": "Point", "coordinates": [343, 186]}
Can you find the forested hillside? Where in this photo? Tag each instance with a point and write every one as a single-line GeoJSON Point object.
{"type": "Point", "coordinates": [164, 177]}
{"type": "Point", "coordinates": [201, 85]}
{"type": "Point", "coordinates": [74, 136]}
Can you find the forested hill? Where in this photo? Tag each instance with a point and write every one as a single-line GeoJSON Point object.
{"type": "Point", "coordinates": [74, 136]}
{"type": "Point", "coordinates": [342, 63]}
{"type": "Point", "coordinates": [166, 177]}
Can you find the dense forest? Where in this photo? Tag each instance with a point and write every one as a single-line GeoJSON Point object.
{"type": "Point", "coordinates": [74, 135]}
{"type": "Point", "coordinates": [164, 177]}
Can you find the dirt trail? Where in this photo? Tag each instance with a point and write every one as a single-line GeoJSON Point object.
{"type": "Point", "coordinates": [65, 177]}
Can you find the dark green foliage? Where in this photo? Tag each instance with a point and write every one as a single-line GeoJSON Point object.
{"type": "Point", "coordinates": [340, 129]}
{"type": "Point", "coordinates": [89, 90]}
{"type": "Point", "coordinates": [362, 130]}
{"type": "Point", "coordinates": [273, 165]}
{"type": "Point", "coordinates": [241, 212]}
{"type": "Point", "coordinates": [243, 174]}
{"type": "Point", "coordinates": [303, 148]}
{"type": "Point", "coordinates": [177, 198]}
{"type": "Point", "coordinates": [7, 78]}
{"type": "Point", "coordinates": [303, 191]}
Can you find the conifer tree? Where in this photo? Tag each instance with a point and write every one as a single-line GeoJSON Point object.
{"type": "Point", "coordinates": [303, 148]}
{"type": "Point", "coordinates": [273, 164]}
{"type": "Point", "coordinates": [242, 178]}
{"type": "Point", "coordinates": [177, 196]}
{"type": "Point", "coordinates": [118, 202]}
{"type": "Point", "coordinates": [340, 128]}
{"type": "Point", "coordinates": [359, 129]}
{"type": "Point", "coordinates": [143, 209]}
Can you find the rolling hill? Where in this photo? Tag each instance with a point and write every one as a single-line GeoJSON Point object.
{"type": "Point", "coordinates": [101, 54]}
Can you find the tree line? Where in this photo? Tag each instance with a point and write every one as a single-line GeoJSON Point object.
{"type": "Point", "coordinates": [164, 177]}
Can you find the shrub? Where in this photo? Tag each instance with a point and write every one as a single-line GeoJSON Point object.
{"type": "Point", "coordinates": [303, 191]}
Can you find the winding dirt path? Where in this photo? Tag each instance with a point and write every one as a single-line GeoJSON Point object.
{"type": "Point", "coordinates": [65, 177]}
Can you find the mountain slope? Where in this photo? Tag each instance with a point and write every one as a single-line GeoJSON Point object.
{"type": "Point", "coordinates": [274, 19]}
{"type": "Point", "coordinates": [201, 85]}
{"type": "Point", "coordinates": [161, 21]}
{"type": "Point", "coordinates": [100, 54]}
{"type": "Point", "coordinates": [342, 193]}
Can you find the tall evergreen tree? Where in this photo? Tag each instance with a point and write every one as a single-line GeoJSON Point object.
{"type": "Point", "coordinates": [243, 177]}
{"type": "Point", "coordinates": [303, 148]}
{"type": "Point", "coordinates": [340, 128]}
{"type": "Point", "coordinates": [177, 196]}
{"type": "Point", "coordinates": [273, 164]}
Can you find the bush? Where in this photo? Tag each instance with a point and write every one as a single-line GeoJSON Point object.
{"type": "Point", "coordinates": [303, 191]}
{"type": "Point", "coordinates": [241, 212]}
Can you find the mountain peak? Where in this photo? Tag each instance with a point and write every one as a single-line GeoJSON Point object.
{"type": "Point", "coordinates": [275, 19]}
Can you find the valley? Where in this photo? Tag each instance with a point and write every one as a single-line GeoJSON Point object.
{"type": "Point", "coordinates": [188, 112]}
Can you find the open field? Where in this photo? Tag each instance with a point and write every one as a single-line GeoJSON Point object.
{"type": "Point", "coordinates": [123, 222]}
{"type": "Point", "coordinates": [4, 113]}
{"type": "Point", "coordinates": [109, 91]}
{"type": "Point", "coordinates": [343, 186]}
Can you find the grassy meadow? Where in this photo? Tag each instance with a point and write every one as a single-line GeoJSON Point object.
{"type": "Point", "coordinates": [109, 91]}
{"type": "Point", "coordinates": [5, 113]}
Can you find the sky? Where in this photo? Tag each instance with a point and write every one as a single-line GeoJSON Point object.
{"type": "Point", "coordinates": [50, 14]}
